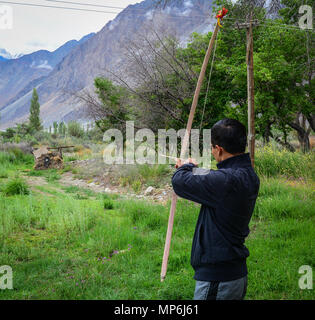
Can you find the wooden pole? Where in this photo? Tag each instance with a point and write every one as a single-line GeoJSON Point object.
{"type": "Point", "coordinates": [185, 149]}
{"type": "Point", "coordinates": [250, 92]}
{"type": "Point", "coordinates": [250, 85]}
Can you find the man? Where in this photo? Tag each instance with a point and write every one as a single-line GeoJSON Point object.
{"type": "Point", "coordinates": [227, 197]}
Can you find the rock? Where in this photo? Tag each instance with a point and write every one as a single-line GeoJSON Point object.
{"type": "Point", "coordinates": [148, 191]}
{"type": "Point", "coordinates": [107, 190]}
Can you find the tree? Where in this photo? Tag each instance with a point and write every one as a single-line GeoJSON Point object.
{"type": "Point", "coordinates": [75, 129]}
{"type": "Point", "coordinates": [284, 65]}
{"type": "Point", "coordinates": [162, 77]}
{"type": "Point", "coordinates": [111, 108]}
{"type": "Point", "coordinates": [34, 119]}
{"type": "Point", "coordinates": [62, 128]}
{"type": "Point", "coordinates": [55, 126]}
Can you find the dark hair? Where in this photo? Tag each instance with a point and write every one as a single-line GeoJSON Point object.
{"type": "Point", "coordinates": [229, 134]}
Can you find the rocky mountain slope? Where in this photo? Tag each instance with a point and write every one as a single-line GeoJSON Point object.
{"type": "Point", "coordinates": [56, 81]}
{"type": "Point", "coordinates": [18, 76]}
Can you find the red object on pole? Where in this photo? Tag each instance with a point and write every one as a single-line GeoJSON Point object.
{"type": "Point", "coordinates": [222, 13]}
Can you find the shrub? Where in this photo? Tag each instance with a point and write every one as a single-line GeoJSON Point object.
{"type": "Point", "coordinates": [16, 186]}
{"type": "Point", "coordinates": [53, 176]}
{"type": "Point", "coordinates": [3, 173]}
{"type": "Point", "coordinates": [108, 204]}
{"type": "Point", "coordinates": [274, 162]}
{"type": "Point", "coordinates": [75, 129]}
{"type": "Point", "coordinates": [16, 156]}
{"type": "Point", "coordinates": [31, 140]}
{"type": "Point", "coordinates": [35, 173]}
{"type": "Point", "coordinates": [136, 186]}
{"type": "Point", "coordinates": [67, 168]}
{"type": "Point", "coordinates": [70, 158]}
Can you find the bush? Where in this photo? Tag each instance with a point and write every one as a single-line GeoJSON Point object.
{"type": "Point", "coordinates": [136, 186]}
{"type": "Point", "coordinates": [67, 168]}
{"type": "Point", "coordinates": [23, 146]}
{"type": "Point", "coordinates": [75, 129]}
{"type": "Point", "coordinates": [3, 173]}
{"type": "Point", "coordinates": [16, 186]}
{"type": "Point", "coordinates": [16, 156]}
{"type": "Point", "coordinates": [274, 162]}
{"type": "Point", "coordinates": [108, 204]}
{"type": "Point", "coordinates": [53, 176]}
{"type": "Point", "coordinates": [35, 173]}
{"type": "Point", "coordinates": [30, 139]}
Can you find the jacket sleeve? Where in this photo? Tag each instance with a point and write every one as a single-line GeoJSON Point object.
{"type": "Point", "coordinates": [207, 189]}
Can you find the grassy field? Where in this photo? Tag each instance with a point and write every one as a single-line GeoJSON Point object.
{"type": "Point", "coordinates": [71, 243]}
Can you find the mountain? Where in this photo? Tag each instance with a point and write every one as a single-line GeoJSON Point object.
{"type": "Point", "coordinates": [78, 68]}
{"type": "Point", "coordinates": [7, 55]}
{"type": "Point", "coordinates": [18, 76]}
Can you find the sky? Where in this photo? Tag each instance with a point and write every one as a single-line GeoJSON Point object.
{"type": "Point", "coordinates": [36, 28]}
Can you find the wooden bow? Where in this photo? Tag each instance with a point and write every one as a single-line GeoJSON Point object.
{"type": "Point", "coordinates": [185, 148]}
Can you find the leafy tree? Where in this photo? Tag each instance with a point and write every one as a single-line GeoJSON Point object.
{"type": "Point", "coordinates": [8, 134]}
{"type": "Point", "coordinates": [283, 72]}
{"type": "Point", "coordinates": [112, 107]}
{"type": "Point", "coordinates": [55, 126]}
{"type": "Point", "coordinates": [34, 119]}
{"type": "Point", "coordinates": [75, 129]}
{"type": "Point", "coordinates": [62, 128]}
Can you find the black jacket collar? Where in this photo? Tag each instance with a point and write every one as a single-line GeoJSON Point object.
{"type": "Point", "coordinates": [242, 160]}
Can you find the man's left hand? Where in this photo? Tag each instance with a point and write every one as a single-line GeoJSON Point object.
{"type": "Point", "coordinates": [180, 162]}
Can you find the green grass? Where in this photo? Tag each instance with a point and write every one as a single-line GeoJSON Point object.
{"type": "Point", "coordinates": [108, 204]}
{"type": "Point", "coordinates": [16, 186]}
{"type": "Point", "coordinates": [36, 173]}
{"type": "Point", "coordinates": [52, 176]}
{"type": "Point", "coordinates": [135, 176]}
{"type": "Point", "coordinates": [66, 246]}
{"type": "Point", "coordinates": [272, 162]}
{"type": "Point", "coordinates": [3, 173]}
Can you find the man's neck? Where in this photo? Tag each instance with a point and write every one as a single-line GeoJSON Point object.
{"type": "Point", "coordinates": [227, 155]}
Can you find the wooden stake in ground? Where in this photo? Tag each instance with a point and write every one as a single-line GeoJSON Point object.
{"type": "Point", "coordinates": [186, 140]}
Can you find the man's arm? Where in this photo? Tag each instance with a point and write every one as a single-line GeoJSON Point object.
{"type": "Point", "coordinates": [206, 189]}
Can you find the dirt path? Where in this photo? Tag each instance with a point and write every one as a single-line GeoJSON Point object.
{"type": "Point", "coordinates": [153, 194]}
{"type": "Point", "coordinates": [100, 183]}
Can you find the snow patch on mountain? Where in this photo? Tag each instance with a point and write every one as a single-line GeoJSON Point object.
{"type": "Point", "coordinates": [43, 64]}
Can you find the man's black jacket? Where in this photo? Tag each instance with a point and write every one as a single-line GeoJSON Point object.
{"type": "Point", "coordinates": [228, 197]}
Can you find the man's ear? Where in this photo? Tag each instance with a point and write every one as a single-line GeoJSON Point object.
{"type": "Point", "coordinates": [221, 150]}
